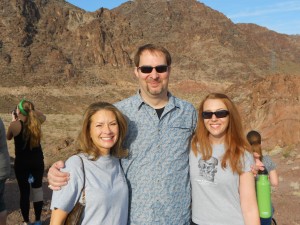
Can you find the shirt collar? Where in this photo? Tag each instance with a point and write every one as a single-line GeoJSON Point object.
{"type": "Point", "coordinates": [171, 104]}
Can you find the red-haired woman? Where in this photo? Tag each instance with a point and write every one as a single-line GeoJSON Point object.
{"type": "Point", "coordinates": [223, 186]}
{"type": "Point", "coordinates": [25, 128]}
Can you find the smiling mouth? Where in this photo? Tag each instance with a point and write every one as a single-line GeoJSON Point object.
{"type": "Point", "coordinates": [107, 138]}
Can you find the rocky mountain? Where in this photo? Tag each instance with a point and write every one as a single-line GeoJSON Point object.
{"type": "Point", "coordinates": [54, 52]}
{"type": "Point", "coordinates": [63, 58]}
{"type": "Point", "coordinates": [53, 41]}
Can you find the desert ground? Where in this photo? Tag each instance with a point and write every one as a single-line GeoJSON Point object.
{"type": "Point", "coordinates": [60, 131]}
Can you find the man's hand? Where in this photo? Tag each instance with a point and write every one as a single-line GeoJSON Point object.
{"type": "Point", "coordinates": [56, 178]}
{"type": "Point", "coordinates": [258, 164]}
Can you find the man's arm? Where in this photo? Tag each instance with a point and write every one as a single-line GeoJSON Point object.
{"type": "Point", "coordinates": [56, 178]}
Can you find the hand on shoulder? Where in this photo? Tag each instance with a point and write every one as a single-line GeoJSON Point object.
{"type": "Point", "coordinates": [56, 178]}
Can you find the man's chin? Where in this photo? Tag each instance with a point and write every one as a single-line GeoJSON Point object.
{"type": "Point", "coordinates": [155, 92]}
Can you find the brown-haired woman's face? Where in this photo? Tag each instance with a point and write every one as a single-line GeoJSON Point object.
{"type": "Point", "coordinates": [104, 130]}
{"type": "Point", "coordinates": [216, 127]}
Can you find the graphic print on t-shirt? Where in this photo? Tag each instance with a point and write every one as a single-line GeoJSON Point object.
{"type": "Point", "coordinates": [208, 169]}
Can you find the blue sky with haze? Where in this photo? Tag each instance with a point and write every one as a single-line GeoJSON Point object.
{"type": "Point", "coordinates": [282, 16]}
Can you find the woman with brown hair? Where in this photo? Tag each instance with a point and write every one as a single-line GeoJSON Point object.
{"type": "Point", "coordinates": [100, 147]}
{"type": "Point", "coordinates": [254, 139]}
{"type": "Point", "coordinates": [223, 190]}
{"type": "Point", "coordinates": [26, 130]}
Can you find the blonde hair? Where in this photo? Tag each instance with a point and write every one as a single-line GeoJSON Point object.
{"type": "Point", "coordinates": [235, 141]}
{"type": "Point", "coordinates": [32, 125]}
{"type": "Point", "coordinates": [84, 140]}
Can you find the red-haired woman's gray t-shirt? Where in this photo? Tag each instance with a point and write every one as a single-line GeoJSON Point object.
{"type": "Point", "coordinates": [215, 191]}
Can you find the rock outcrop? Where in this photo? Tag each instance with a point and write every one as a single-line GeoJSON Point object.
{"type": "Point", "coordinates": [51, 41]}
{"type": "Point", "coordinates": [52, 45]}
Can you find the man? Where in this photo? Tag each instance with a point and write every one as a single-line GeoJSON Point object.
{"type": "Point", "coordinates": [160, 128]}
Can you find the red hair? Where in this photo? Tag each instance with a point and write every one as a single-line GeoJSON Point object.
{"type": "Point", "coordinates": [235, 141]}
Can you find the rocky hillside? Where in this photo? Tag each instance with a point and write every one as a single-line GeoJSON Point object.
{"type": "Point", "coordinates": [51, 41]}
{"type": "Point", "coordinates": [53, 52]}
{"type": "Point", "coordinates": [64, 58]}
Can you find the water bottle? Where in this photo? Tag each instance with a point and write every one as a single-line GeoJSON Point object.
{"type": "Point", "coordinates": [263, 192]}
{"type": "Point", "coordinates": [30, 179]}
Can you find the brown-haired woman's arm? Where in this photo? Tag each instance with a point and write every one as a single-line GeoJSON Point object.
{"type": "Point", "coordinates": [40, 115]}
{"type": "Point", "coordinates": [13, 129]}
{"type": "Point", "coordinates": [58, 217]}
{"type": "Point", "coordinates": [273, 176]}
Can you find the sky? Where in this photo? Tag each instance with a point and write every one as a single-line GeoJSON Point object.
{"type": "Point", "coordinates": [282, 16]}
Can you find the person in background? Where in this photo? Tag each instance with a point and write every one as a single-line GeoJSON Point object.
{"type": "Point", "coordinates": [254, 139]}
{"type": "Point", "coordinates": [26, 130]}
{"type": "Point", "coordinates": [223, 186]}
{"type": "Point", "coordinates": [100, 147]}
{"type": "Point", "coordinates": [4, 171]}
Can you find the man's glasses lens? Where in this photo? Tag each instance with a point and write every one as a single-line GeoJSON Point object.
{"type": "Point", "coordinates": [159, 69]}
{"type": "Point", "coordinates": [218, 114]}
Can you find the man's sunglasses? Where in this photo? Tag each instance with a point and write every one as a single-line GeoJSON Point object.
{"type": "Point", "coordinates": [218, 114]}
{"type": "Point", "coordinates": [159, 69]}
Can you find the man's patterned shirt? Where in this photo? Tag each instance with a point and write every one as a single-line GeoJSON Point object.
{"type": "Point", "coordinates": [157, 168]}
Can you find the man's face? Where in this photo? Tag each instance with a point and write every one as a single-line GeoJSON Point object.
{"type": "Point", "coordinates": [154, 84]}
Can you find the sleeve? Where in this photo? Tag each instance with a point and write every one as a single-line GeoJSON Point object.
{"type": "Point", "coordinates": [66, 198]}
{"type": "Point", "coordinates": [3, 144]}
{"type": "Point", "coordinates": [248, 161]}
{"type": "Point", "coordinates": [4, 155]}
{"type": "Point", "coordinates": [268, 162]}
